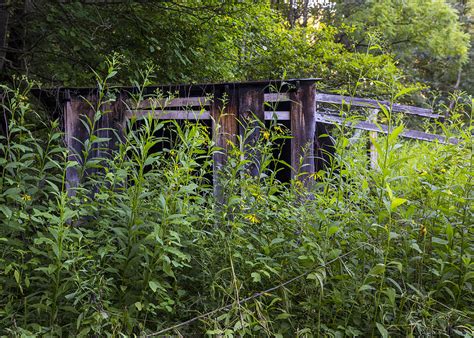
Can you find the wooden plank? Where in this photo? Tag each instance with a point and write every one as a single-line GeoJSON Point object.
{"type": "Point", "coordinates": [280, 115]}
{"type": "Point", "coordinates": [251, 99]}
{"type": "Point", "coordinates": [111, 126]}
{"type": "Point", "coordinates": [153, 103]}
{"type": "Point", "coordinates": [198, 114]}
{"type": "Point", "coordinates": [224, 133]}
{"type": "Point", "coordinates": [382, 128]}
{"type": "Point", "coordinates": [172, 114]}
{"type": "Point", "coordinates": [369, 103]}
{"type": "Point", "coordinates": [303, 128]}
{"type": "Point", "coordinates": [75, 133]}
{"type": "Point", "coordinates": [277, 97]}
{"type": "Point", "coordinates": [199, 101]}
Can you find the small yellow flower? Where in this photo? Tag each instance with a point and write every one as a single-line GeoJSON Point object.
{"type": "Point", "coordinates": [26, 197]}
{"type": "Point", "coordinates": [298, 183]}
{"type": "Point", "coordinates": [423, 230]}
{"type": "Point", "coordinates": [266, 134]}
{"type": "Point", "coordinates": [443, 170]}
{"type": "Point", "coordinates": [252, 218]}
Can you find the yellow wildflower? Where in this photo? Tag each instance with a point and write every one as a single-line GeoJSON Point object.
{"type": "Point", "coordinates": [252, 218]}
{"type": "Point", "coordinates": [26, 197]}
{"type": "Point", "coordinates": [266, 134]}
{"type": "Point", "coordinates": [423, 230]}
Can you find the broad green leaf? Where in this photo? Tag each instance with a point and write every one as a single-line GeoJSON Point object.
{"type": "Point", "coordinates": [332, 230]}
{"type": "Point", "coordinates": [256, 277]}
{"type": "Point", "coordinates": [366, 287]}
{"type": "Point", "coordinates": [396, 202]}
{"type": "Point", "coordinates": [383, 331]}
{"type": "Point", "coordinates": [377, 270]}
{"type": "Point", "coordinates": [153, 285]}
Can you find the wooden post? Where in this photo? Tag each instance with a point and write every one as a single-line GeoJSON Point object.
{"type": "Point", "coordinates": [303, 127]}
{"type": "Point", "coordinates": [75, 133]}
{"type": "Point", "coordinates": [110, 126]}
{"type": "Point", "coordinates": [251, 109]}
{"type": "Point", "coordinates": [224, 113]}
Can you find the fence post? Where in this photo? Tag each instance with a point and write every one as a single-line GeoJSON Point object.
{"type": "Point", "coordinates": [224, 113]}
{"type": "Point", "coordinates": [110, 126]}
{"type": "Point", "coordinates": [303, 128]}
{"type": "Point", "coordinates": [251, 111]}
{"type": "Point", "coordinates": [75, 108]}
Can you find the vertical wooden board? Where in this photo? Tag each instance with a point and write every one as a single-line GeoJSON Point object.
{"type": "Point", "coordinates": [224, 112]}
{"type": "Point", "coordinates": [251, 110]}
{"type": "Point", "coordinates": [75, 133]}
{"type": "Point", "coordinates": [303, 128]}
{"type": "Point", "coordinates": [111, 126]}
{"type": "Point", "coordinates": [297, 121]}
{"type": "Point", "coordinates": [324, 147]}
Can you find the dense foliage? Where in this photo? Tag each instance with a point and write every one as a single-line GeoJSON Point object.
{"type": "Point", "coordinates": [194, 41]}
{"type": "Point", "coordinates": [141, 244]}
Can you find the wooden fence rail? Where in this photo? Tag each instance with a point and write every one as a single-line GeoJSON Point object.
{"type": "Point", "coordinates": [229, 107]}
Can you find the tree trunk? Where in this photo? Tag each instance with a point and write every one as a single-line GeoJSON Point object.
{"type": "Point", "coordinates": [305, 12]}
{"type": "Point", "coordinates": [4, 15]}
{"type": "Point", "coordinates": [291, 13]}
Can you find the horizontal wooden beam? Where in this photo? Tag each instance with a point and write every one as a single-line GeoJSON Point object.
{"type": "Point", "coordinates": [382, 128]}
{"type": "Point", "coordinates": [198, 101]}
{"type": "Point", "coordinates": [172, 114]}
{"type": "Point", "coordinates": [197, 114]}
{"type": "Point", "coordinates": [153, 103]}
{"type": "Point", "coordinates": [369, 103]}
{"type": "Point", "coordinates": [276, 97]}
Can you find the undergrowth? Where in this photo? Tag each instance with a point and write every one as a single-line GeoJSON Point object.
{"type": "Point", "coordinates": [141, 245]}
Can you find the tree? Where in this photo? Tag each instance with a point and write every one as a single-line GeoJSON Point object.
{"type": "Point", "coordinates": [425, 35]}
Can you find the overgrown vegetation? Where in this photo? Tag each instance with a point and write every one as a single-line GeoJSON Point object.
{"type": "Point", "coordinates": [141, 244]}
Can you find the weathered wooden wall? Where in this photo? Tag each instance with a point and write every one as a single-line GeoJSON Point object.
{"type": "Point", "coordinates": [235, 109]}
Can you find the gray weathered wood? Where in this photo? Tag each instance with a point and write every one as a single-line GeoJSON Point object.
{"type": "Point", "coordinates": [277, 97]}
{"type": "Point", "coordinates": [197, 114]}
{"type": "Point", "coordinates": [172, 114]}
{"type": "Point", "coordinates": [109, 127]}
{"type": "Point", "coordinates": [251, 99]}
{"type": "Point", "coordinates": [382, 128]}
{"type": "Point", "coordinates": [153, 103]}
{"type": "Point", "coordinates": [75, 133]}
{"type": "Point", "coordinates": [369, 103]}
{"type": "Point", "coordinates": [303, 125]}
{"type": "Point", "coordinates": [225, 129]}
